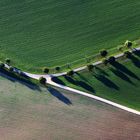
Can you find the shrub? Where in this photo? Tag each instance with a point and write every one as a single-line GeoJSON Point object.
{"type": "Point", "coordinates": [87, 60]}
{"type": "Point", "coordinates": [46, 70]}
{"type": "Point", "coordinates": [57, 68]}
{"type": "Point", "coordinates": [70, 73]}
{"type": "Point", "coordinates": [42, 80]}
{"type": "Point", "coordinates": [1, 65]}
{"type": "Point", "coordinates": [8, 61]}
{"type": "Point", "coordinates": [127, 54]}
{"type": "Point", "coordinates": [128, 44]}
{"type": "Point", "coordinates": [105, 61]}
{"type": "Point", "coordinates": [68, 66]}
{"type": "Point", "coordinates": [111, 59]}
{"type": "Point", "coordinates": [103, 53]}
{"type": "Point", "coordinates": [120, 48]}
{"type": "Point", "coordinates": [90, 67]}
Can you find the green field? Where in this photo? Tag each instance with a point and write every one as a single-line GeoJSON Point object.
{"type": "Point", "coordinates": [119, 83]}
{"type": "Point", "coordinates": [52, 33]}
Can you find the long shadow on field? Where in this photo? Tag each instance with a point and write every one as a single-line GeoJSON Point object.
{"type": "Point", "coordinates": [71, 80]}
{"type": "Point", "coordinates": [135, 61]}
{"type": "Point", "coordinates": [22, 80]}
{"type": "Point", "coordinates": [101, 71]}
{"type": "Point", "coordinates": [82, 84]}
{"type": "Point", "coordinates": [57, 80]}
{"type": "Point", "coordinates": [107, 82]}
{"type": "Point", "coordinates": [121, 75]}
{"type": "Point", "coordinates": [125, 70]}
{"type": "Point", "coordinates": [59, 96]}
{"type": "Point", "coordinates": [86, 86]}
{"type": "Point", "coordinates": [82, 77]}
{"type": "Point", "coordinates": [137, 52]}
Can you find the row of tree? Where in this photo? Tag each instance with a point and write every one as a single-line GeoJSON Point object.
{"type": "Point", "coordinates": [90, 67]}
{"type": "Point", "coordinates": [103, 53]}
{"type": "Point", "coordinates": [111, 59]}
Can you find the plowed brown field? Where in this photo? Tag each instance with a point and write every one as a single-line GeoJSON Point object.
{"type": "Point", "coordinates": [27, 114]}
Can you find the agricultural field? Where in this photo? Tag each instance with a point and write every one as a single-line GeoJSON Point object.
{"type": "Point", "coordinates": [119, 82]}
{"type": "Point", "coordinates": [35, 34]}
{"type": "Point", "coordinates": [40, 114]}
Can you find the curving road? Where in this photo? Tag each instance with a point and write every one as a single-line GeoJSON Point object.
{"type": "Point", "coordinates": [49, 81]}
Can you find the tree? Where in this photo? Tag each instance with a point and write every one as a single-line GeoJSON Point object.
{"type": "Point", "coordinates": [128, 44]}
{"type": "Point", "coordinates": [90, 67]}
{"type": "Point", "coordinates": [120, 48]}
{"type": "Point", "coordinates": [68, 65]}
{"type": "Point", "coordinates": [103, 53]}
{"type": "Point", "coordinates": [42, 80]}
{"type": "Point", "coordinates": [70, 73]}
{"type": "Point", "coordinates": [8, 61]}
{"type": "Point", "coordinates": [57, 68]}
{"type": "Point", "coordinates": [111, 59]}
{"type": "Point", "coordinates": [46, 70]}
{"type": "Point", "coordinates": [87, 59]}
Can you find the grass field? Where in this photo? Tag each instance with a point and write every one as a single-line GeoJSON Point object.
{"type": "Point", "coordinates": [119, 83]}
{"type": "Point", "coordinates": [52, 114]}
{"type": "Point", "coordinates": [51, 33]}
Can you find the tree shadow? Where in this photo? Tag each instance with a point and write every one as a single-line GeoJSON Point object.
{"type": "Point", "coordinates": [58, 80]}
{"type": "Point", "coordinates": [71, 80]}
{"type": "Point", "coordinates": [101, 71]}
{"type": "Point", "coordinates": [81, 77]}
{"type": "Point", "coordinates": [121, 75]}
{"type": "Point", "coordinates": [22, 80]}
{"type": "Point", "coordinates": [125, 70]}
{"type": "Point", "coordinates": [59, 96]}
{"type": "Point", "coordinates": [107, 82]}
{"type": "Point", "coordinates": [136, 52]}
{"type": "Point", "coordinates": [135, 61]}
{"type": "Point", "coordinates": [82, 84]}
{"type": "Point", "coordinates": [86, 86]}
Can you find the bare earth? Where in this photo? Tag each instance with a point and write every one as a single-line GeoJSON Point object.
{"type": "Point", "coordinates": [27, 114]}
